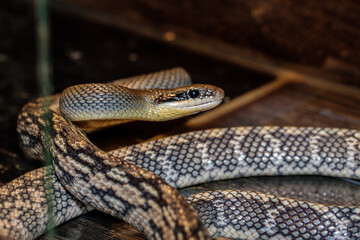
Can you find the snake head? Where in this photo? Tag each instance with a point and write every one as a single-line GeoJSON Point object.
{"type": "Point", "coordinates": [113, 102]}
{"type": "Point", "coordinates": [183, 101]}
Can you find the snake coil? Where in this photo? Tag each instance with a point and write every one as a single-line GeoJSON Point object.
{"type": "Point", "coordinates": [124, 182]}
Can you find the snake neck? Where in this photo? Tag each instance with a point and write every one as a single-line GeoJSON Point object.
{"type": "Point", "coordinates": [108, 183]}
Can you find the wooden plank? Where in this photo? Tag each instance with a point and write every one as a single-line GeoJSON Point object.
{"type": "Point", "coordinates": [264, 34]}
{"type": "Point", "coordinates": [299, 105]}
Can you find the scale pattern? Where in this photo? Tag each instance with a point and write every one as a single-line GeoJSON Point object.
{"type": "Point", "coordinates": [209, 155]}
{"type": "Point", "coordinates": [192, 158]}
{"type": "Point", "coordinates": [251, 215]}
{"type": "Point", "coordinates": [157, 210]}
{"type": "Point", "coordinates": [102, 101]}
{"type": "Point", "coordinates": [24, 203]}
{"type": "Point", "coordinates": [166, 79]}
{"type": "Point", "coordinates": [110, 184]}
{"type": "Point", "coordinates": [113, 102]}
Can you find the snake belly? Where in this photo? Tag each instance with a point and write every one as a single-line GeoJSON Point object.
{"type": "Point", "coordinates": [236, 152]}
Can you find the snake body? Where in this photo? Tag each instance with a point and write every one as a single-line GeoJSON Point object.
{"type": "Point", "coordinates": [118, 183]}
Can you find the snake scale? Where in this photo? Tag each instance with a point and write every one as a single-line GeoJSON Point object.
{"type": "Point", "coordinates": [120, 182]}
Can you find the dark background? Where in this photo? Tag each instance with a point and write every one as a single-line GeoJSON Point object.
{"type": "Point", "coordinates": [238, 45]}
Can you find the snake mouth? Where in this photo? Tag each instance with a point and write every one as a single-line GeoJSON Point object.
{"type": "Point", "coordinates": [201, 106]}
{"type": "Point", "coordinates": [204, 107]}
{"type": "Point", "coordinates": [198, 108]}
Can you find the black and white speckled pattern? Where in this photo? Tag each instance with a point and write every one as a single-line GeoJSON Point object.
{"type": "Point", "coordinates": [24, 205]}
{"type": "Point", "coordinates": [148, 203]}
{"type": "Point", "coordinates": [251, 215]}
{"type": "Point", "coordinates": [107, 183]}
{"type": "Point", "coordinates": [209, 155]}
{"type": "Point", "coordinates": [193, 157]}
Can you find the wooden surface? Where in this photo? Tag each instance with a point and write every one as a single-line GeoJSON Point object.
{"type": "Point", "coordinates": [315, 34]}
{"type": "Point", "coordinates": [86, 51]}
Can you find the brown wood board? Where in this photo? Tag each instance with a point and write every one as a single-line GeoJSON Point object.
{"type": "Point", "coordinates": [320, 35]}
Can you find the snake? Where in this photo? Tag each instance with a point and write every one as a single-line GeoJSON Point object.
{"type": "Point", "coordinates": [137, 183]}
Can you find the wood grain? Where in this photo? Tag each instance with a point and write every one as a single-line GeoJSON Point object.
{"type": "Point", "coordinates": [322, 35]}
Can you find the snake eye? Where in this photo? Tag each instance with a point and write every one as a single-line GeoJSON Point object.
{"type": "Point", "coordinates": [193, 93]}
